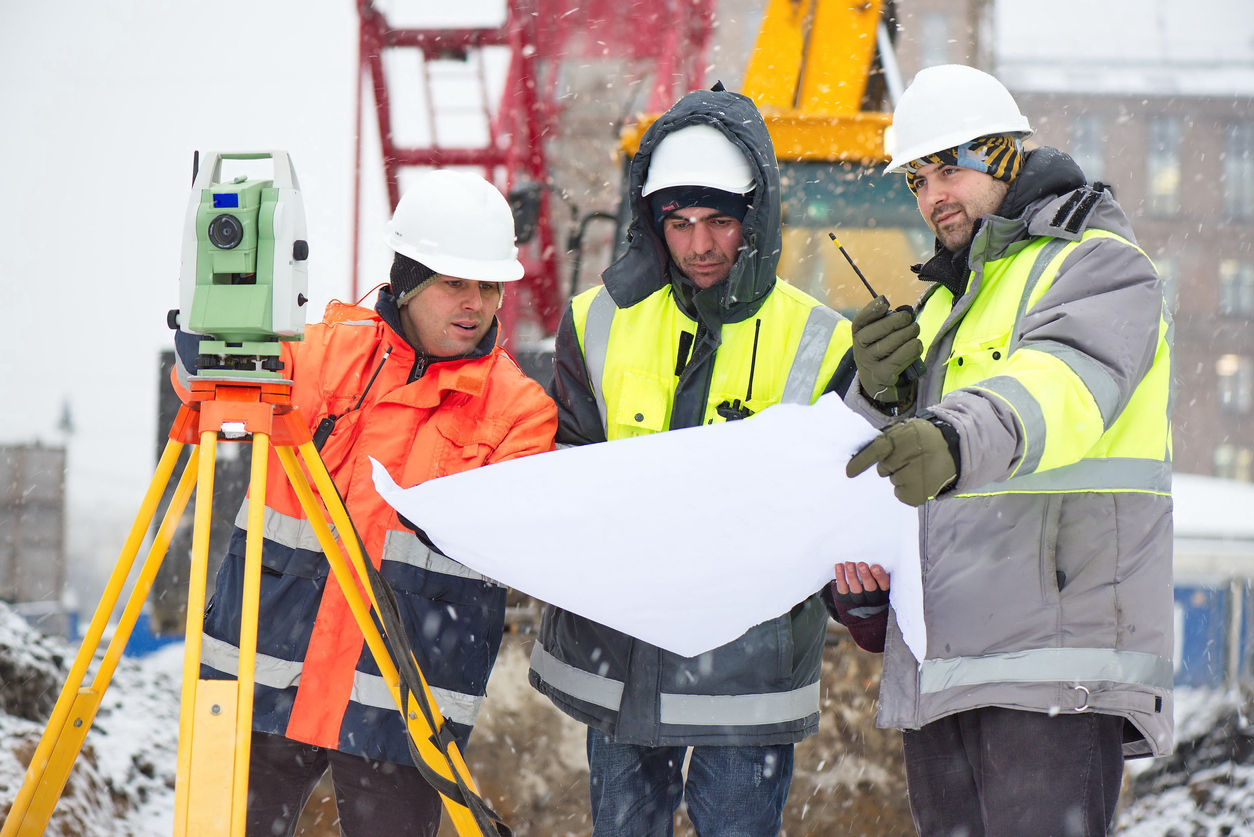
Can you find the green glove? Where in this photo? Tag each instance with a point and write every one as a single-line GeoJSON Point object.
{"type": "Point", "coordinates": [885, 343]}
{"type": "Point", "coordinates": [915, 455]}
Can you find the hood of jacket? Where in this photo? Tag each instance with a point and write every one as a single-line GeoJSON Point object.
{"type": "Point", "coordinates": [645, 267]}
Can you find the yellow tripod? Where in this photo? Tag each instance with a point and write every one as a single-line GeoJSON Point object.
{"type": "Point", "coordinates": [215, 720]}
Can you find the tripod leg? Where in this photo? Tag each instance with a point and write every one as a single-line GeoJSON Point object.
{"type": "Point", "coordinates": [207, 713]}
{"type": "Point", "coordinates": [462, 818]}
{"type": "Point", "coordinates": [248, 632]}
{"type": "Point", "coordinates": [61, 742]}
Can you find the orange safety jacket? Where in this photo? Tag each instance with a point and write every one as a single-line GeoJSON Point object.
{"type": "Point", "coordinates": [316, 681]}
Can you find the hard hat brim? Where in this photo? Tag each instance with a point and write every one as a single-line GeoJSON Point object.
{"type": "Point", "coordinates": [456, 267]}
{"type": "Point", "coordinates": [705, 182]}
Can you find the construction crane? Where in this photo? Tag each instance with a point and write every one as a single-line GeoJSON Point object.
{"type": "Point", "coordinates": [824, 75]}
{"type": "Point", "coordinates": [665, 40]}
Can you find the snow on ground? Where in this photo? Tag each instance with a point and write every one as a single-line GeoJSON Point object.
{"type": "Point", "coordinates": [123, 782]}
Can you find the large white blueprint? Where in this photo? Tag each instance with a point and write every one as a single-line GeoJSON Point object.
{"type": "Point", "coordinates": [684, 539]}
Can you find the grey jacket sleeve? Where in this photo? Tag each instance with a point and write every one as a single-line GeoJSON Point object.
{"type": "Point", "coordinates": [857, 401]}
{"type": "Point", "coordinates": [578, 418]}
{"type": "Point", "coordinates": [1101, 318]}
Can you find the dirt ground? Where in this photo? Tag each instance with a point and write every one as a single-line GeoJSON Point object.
{"type": "Point", "coordinates": [529, 761]}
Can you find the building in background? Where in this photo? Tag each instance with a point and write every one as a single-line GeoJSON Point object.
{"type": "Point", "coordinates": [32, 535]}
{"type": "Point", "coordinates": [1164, 114]}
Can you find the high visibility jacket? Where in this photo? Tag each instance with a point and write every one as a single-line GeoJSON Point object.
{"type": "Point", "coordinates": [763, 687]}
{"type": "Point", "coordinates": [316, 681]}
{"type": "Point", "coordinates": [1047, 567]}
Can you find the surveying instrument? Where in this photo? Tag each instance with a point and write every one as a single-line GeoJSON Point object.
{"type": "Point", "coordinates": [242, 288]}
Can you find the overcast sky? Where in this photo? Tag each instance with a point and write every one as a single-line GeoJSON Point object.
{"type": "Point", "coordinates": [103, 104]}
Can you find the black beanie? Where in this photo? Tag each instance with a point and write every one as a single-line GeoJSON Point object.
{"type": "Point", "coordinates": [665, 201]}
{"type": "Point", "coordinates": [408, 278]}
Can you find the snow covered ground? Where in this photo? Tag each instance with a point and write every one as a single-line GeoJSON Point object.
{"type": "Point", "coordinates": [123, 783]}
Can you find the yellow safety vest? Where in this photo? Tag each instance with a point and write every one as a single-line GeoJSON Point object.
{"type": "Point", "coordinates": [792, 345]}
{"type": "Point", "coordinates": [1075, 436]}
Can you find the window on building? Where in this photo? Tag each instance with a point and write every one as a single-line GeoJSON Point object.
{"type": "Point", "coordinates": [1236, 383]}
{"type": "Point", "coordinates": [1239, 171]}
{"type": "Point", "coordinates": [1236, 288]}
{"type": "Point", "coordinates": [1234, 462]}
{"type": "Point", "coordinates": [1163, 163]}
{"type": "Point", "coordinates": [934, 44]}
{"type": "Point", "coordinates": [1088, 146]}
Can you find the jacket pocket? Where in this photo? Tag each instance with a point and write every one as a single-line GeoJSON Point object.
{"type": "Point", "coordinates": [471, 441]}
{"type": "Point", "coordinates": [973, 358]}
{"type": "Point", "coordinates": [641, 403]}
{"type": "Point", "coordinates": [1051, 583]}
{"type": "Point", "coordinates": [454, 625]}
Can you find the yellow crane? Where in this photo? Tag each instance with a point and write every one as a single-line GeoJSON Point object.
{"type": "Point", "coordinates": [824, 75]}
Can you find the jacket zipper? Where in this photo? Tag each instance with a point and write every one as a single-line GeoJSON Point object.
{"type": "Point", "coordinates": [420, 368]}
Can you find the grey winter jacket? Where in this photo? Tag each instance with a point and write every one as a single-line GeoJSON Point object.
{"type": "Point", "coordinates": [1040, 594]}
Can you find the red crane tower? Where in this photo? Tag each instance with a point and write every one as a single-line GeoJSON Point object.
{"type": "Point", "coordinates": [666, 40]}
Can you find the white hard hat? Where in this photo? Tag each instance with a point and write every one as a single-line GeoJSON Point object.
{"type": "Point", "coordinates": [949, 105]}
{"type": "Point", "coordinates": [457, 224]}
{"type": "Point", "coordinates": [699, 155]}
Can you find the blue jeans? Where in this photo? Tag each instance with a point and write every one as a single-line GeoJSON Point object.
{"type": "Point", "coordinates": [731, 791]}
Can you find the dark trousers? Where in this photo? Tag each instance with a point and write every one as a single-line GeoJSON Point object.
{"type": "Point", "coordinates": [995, 772]}
{"type": "Point", "coordinates": [372, 797]}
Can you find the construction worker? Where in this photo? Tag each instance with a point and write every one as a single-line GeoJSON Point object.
{"type": "Point", "coordinates": [420, 385]}
{"type": "Point", "coordinates": [691, 328]}
{"type": "Point", "coordinates": [1037, 446]}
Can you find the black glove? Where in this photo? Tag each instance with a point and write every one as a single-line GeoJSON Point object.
{"type": "Point", "coordinates": [885, 343]}
{"type": "Point", "coordinates": [918, 455]}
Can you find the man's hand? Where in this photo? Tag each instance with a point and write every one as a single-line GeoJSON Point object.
{"type": "Point", "coordinates": [853, 579]}
{"type": "Point", "coordinates": [915, 455]}
{"type": "Point", "coordinates": [884, 343]}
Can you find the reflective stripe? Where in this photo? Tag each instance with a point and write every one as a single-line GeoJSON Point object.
{"type": "Point", "coordinates": [739, 710]}
{"type": "Point", "coordinates": [808, 361]}
{"type": "Point", "coordinates": [372, 690]}
{"type": "Point", "coordinates": [1113, 474]}
{"type": "Point", "coordinates": [283, 529]}
{"type": "Point", "coordinates": [1092, 374]}
{"type": "Point", "coordinates": [368, 689]}
{"type": "Point", "coordinates": [1047, 665]}
{"type": "Point", "coordinates": [1030, 415]}
{"type": "Point", "coordinates": [272, 672]}
{"type": "Point", "coordinates": [579, 684]}
{"type": "Point", "coordinates": [680, 710]}
{"type": "Point", "coordinates": [1171, 370]}
{"type": "Point", "coordinates": [405, 548]}
{"type": "Point", "coordinates": [596, 344]}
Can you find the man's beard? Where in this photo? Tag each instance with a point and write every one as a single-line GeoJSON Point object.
{"type": "Point", "coordinates": [692, 275]}
{"type": "Point", "coordinates": [954, 237]}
